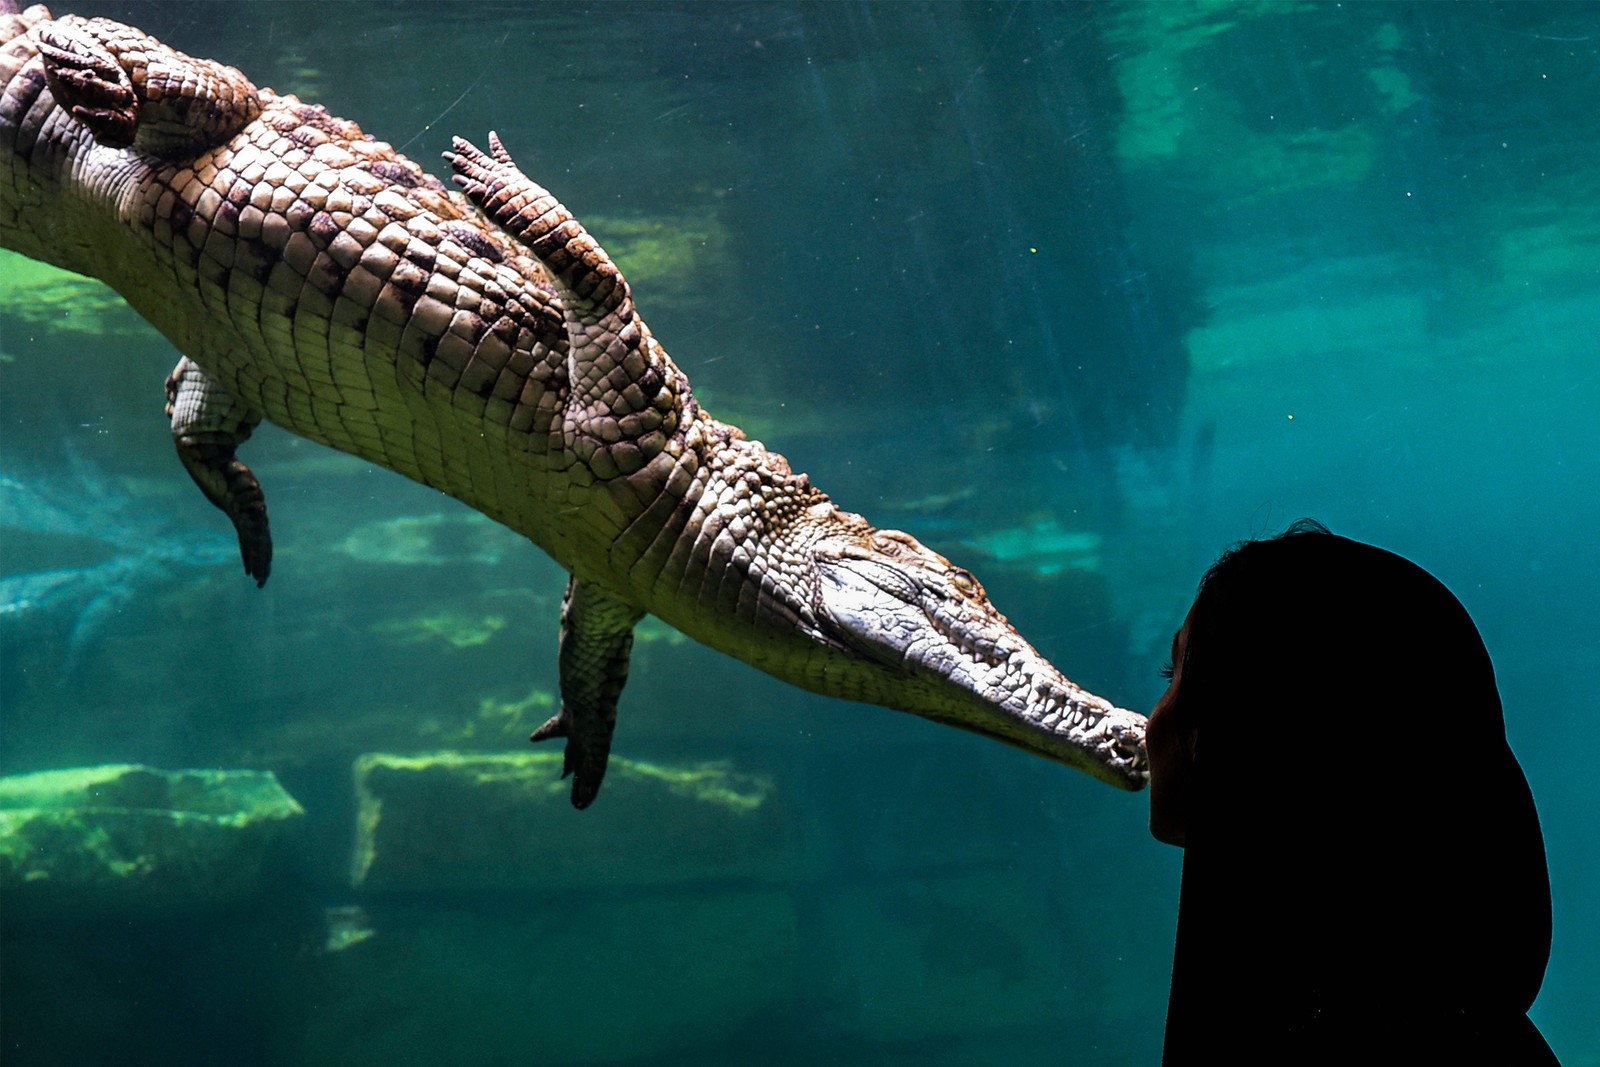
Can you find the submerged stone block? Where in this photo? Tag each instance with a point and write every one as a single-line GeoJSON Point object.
{"type": "Point", "coordinates": [474, 822]}
{"type": "Point", "coordinates": [125, 837]}
{"type": "Point", "coordinates": [942, 957]}
{"type": "Point", "coordinates": [572, 980]}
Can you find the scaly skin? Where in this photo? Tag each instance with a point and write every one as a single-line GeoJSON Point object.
{"type": "Point", "coordinates": [487, 346]}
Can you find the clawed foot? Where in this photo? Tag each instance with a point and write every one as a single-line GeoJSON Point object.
{"type": "Point", "coordinates": [530, 213]}
{"type": "Point", "coordinates": [232, 486]}
{"type": "Point", "coordinates": [586, 766]}
{"type": "Point", "coordinates": [87, 80]}
{"type": "Point", "coordinates": [492, 181]}
{"type": "Point", "coordinates": [255, 542]}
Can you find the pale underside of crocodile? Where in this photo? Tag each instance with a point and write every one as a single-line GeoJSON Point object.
{"type": "Point", "coordinates": [481, 342]}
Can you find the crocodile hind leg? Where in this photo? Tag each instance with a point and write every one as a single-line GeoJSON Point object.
{"type": "Point", "coordinates": [208, 424]}
{"type": "Point", "coordinates": [596, 639]}
{"type": "Point", "coordinates": [628, 400]}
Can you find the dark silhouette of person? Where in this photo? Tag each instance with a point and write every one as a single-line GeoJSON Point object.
{"type": "Point", "coordinates": [1364, 878]}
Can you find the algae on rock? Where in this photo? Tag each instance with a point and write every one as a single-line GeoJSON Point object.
{"type": "Point", "coordinates": [42, 298]}
{"type": "Point", "coordinates": [675, 258]}
{"type": "Point", "coordinates": [125, 837]}
{"type": "Point", "coordinates": [488, 822]}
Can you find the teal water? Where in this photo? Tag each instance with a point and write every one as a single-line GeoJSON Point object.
{"type": "Point", "coordinates": [1078, 294]}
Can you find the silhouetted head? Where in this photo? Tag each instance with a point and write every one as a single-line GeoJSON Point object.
{"type": "Point", "coordinates": [1335, 673]}
{"type": "Point", "coordinates": [1332, 756]}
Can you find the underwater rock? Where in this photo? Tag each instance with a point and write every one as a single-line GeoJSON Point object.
{"type": "Point", "coordinates": [1216, 138]}
{"type": "Point", "coordinates": [125, 837]}
{"type": "Point", "coordinates": [458, 629]}
{"type": "Point", "coordinates": [676, 256]}
{"type": "Point", "coordinates": [430, 540]}
{"type": "Point", "coordinates": [924, 957]}
{"type": "Point", "coordinates": [347, 926]}
{"type": "Point", "coordinates": [1043, 546]}
{"type": "Point", "coordinates": [585, 978]}
{"type": "Point", "coordinates": [42, 299]}
{"type": "Point", "coordinates": [456, 821]}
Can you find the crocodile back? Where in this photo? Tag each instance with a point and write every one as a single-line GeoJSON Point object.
{"type": "Point", "coordinates": [325, 280]}
{"type": "Point", "coordinates": [315, 278]}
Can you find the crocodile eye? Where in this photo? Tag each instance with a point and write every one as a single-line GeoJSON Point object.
{"type": "Point", "coordinates": [965, 583]}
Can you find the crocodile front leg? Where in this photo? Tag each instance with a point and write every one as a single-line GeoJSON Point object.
{"type": "Point", "coordinates": [208, 424]}
{"type": "Point", "coordinates": [596, 640]}
{"type": "Point", "coordinates": [129, 89]}
{"type": "Point", "coordinates": [628, 399]}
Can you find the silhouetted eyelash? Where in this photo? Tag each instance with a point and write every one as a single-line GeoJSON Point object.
{"type": "Point", "coordinates": [1166, 670]}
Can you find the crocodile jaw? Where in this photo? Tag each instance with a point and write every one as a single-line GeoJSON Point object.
{"type": "Point", "coordinates": [907, 609]}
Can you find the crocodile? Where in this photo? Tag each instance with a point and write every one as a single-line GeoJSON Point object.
{"type": "Point", "coordinates": [478, 340]}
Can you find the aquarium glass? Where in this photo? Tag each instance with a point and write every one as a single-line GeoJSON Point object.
{"type": "Point", "coordinates": [1078, 294]}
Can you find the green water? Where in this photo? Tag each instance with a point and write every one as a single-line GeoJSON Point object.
{"type": "Point", "coordinates": [1077, 294]}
